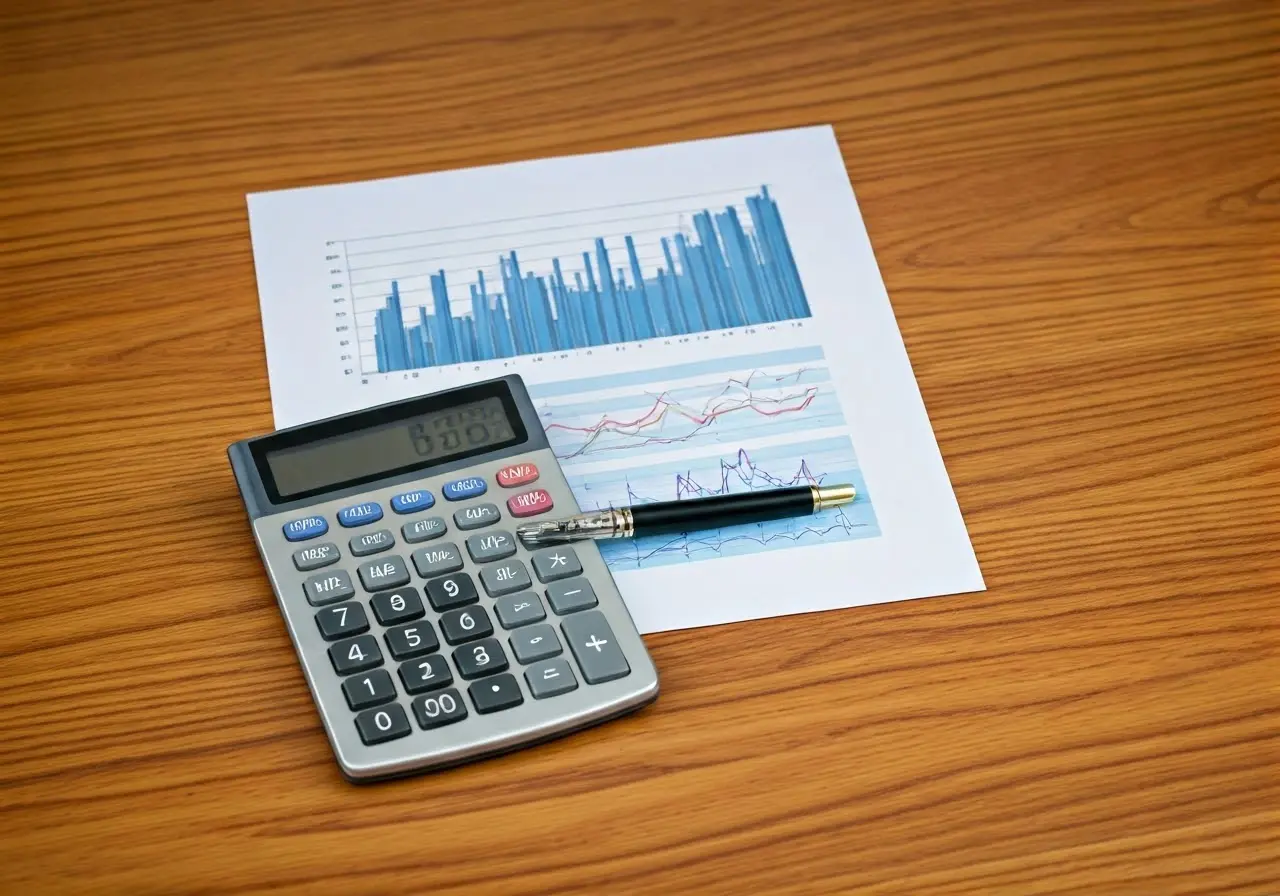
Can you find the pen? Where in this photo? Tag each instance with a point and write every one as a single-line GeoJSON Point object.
{"type": "Point", "coordinates": [684, 516]}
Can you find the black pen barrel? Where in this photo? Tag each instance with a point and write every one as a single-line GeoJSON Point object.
{"type": "Point", "coordinates": [722, 510]}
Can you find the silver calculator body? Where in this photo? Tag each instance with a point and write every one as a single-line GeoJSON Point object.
{"type": "Point", "coordinates": [428, 634]}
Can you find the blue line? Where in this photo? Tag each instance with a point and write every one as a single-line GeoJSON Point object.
{"type": "Point", "coordinates": [677, 371]}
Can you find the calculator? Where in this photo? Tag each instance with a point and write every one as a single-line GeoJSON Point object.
{"type": "Point", "coordinates": [428, 634]}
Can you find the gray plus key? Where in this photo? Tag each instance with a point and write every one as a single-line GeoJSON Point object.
{"type": "Point", "coordinates": [556, 563]}
{"type": "Point", "coordinates": [594, 647]}
{"type": "Point", "coordinates": [389, 572]}
{"type": "Point", "coordinates": [503, 578]}
{"type": "Point", "coordinates": [516, 610]}
{"type": "Point", "coordinates": [437, 560]}
{"type": "Point", "coordinates": [495, 545]}
{"type": "Point", "coordinates": [550, 678]}
{"type": "Point", "coordinates": [476, 515]}
{"type": "Point", "coordinates": [371, 543]}
{"type": "Point", "coordinates": [316, 556]}
{"type": "Point", "coordinates": [423, 530]}
{"type": "Point", "coordinates": [328, 587]}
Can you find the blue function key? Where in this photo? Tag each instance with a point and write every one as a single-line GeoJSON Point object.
{"type": "Point", "coordinates": [305, 527]}
{"type": "Point", "coordinates": [360, 514]}
{"type": "Point", "coordinates": [461, 489]}
{"type": "Point", "coordinates": [411, 502]}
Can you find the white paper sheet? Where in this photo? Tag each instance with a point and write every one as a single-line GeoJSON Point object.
{"type": "Point", "coordinates": [762, 350]}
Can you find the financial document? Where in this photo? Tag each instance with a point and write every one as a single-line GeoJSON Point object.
{"type": "Point", "coordinates": [691, 319]}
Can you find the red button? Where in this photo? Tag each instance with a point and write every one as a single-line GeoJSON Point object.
{"type": "Point", "coordinates": [517, 474]}
{"type": "Point", "coordinates": [530, 503]}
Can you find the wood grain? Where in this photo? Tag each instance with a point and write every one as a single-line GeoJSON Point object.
{"type": "Point", "coordinates": [1077, 211]}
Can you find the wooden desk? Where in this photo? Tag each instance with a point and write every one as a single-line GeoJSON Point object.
{"type": "Point", "coordinates": [1076, 211]}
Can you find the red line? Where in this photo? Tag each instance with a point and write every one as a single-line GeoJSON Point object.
{"type": "Point", "coordinates": [701, 420]}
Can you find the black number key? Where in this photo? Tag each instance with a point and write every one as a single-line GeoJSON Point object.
{"type": "Point", "coordinates": [481, 658]}
{"type": "Point", "coordinates": [409, 641]}
{"type": "Point", "coordinates": [498, 692]}
{"type": "Point", "coordinates": [451, 591]}
{"type": "Point", "coordinates": [425, 674]}
{"type": "Point", "coordinates": [370, 689]}
{"type": "Point", "coordinates": [378, 725]}
{"type": "Point", "coordinates": [355, 655]}
{"type": "Point", "coordinates": [342, 621]}
{"type": "Point", "coordinates": [401, 605]}
{"type": "Point", "coordinates": [439, 709]}
{"type": "Point", "coordinates": [465, 625]}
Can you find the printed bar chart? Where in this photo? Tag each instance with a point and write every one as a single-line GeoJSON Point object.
{"type": "Point", "coordinates": [721, 272]}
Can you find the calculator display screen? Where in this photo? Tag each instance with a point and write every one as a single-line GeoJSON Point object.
{"type": "Point", "coordinates": [414, 442]}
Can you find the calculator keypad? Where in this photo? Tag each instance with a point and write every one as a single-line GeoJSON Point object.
{"type": "Point", "coordinates": [423, 530]}
{"type": "Point", "coordinates": [408, 641]}
{"type": "Point", "coordinates": [328, 587]}
{"type": "Point", "coordinates": [477, 516]}
{"type": "Point", "coordinates": [556, 563]}
{"type": "Point", "coordinates": [530, 503]}
{"type": "Point", "coordinates": [516, 610]}
{"type": "Point", "coordinates": [571, 595]}
{"type": "Point", "coordinates": [480, 658]}
{"type": "Point", "coordinates": [342, 621]}
{"type": "Point", "coordinates": [467, 624]}
{"type": "Point", "coordinates": [594, 647]}
{"type": "Point", "coordinates": [550, 678]}
{"type": "Point", "coordinates": [495, 545]}
{"type": "Point", "coordinates": [400, 605]}
{"type": "Point", "coordinates": [424, 636]}
{"type": "Point", "coordinates": [497, 693]}
{"type": "Point", "coordinates": [427, 674]}
{"type": "Point", "coordinates": [448, 592]}
{"type": "Point", "coordinates": [315, 556]}
{"type": "Point", "coordinates": [379, 725]}
{"type": "Point", "coordinates": [437, 559]}
{"type": "Point", "coordinates": [370, 689]}
{"type": "Point", "coordinates": [536, 642]}
{"type": "Point", "coordinates": [360, 514]}
{"type": "Point", "coordinates": [371, 543]}
{"type": "Point", "coordinates": [387, 572]}
{"type": "Point", "coordinates": [441, 709]}
{"type": "Point", "coordinates": [355, 655]}
{"type": "Point", "coordinates": [503, 578]}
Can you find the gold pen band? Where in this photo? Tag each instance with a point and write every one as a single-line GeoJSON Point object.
{"type": "Point", "coordinates": [828, 496]}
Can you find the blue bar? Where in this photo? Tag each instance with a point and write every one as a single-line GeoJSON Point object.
{"type": "Point", "coordinates": [617, 324]}
{"type": "Point", "coordinates": [670, 302]}
{"type": "Point", "coordinates": [734, 270]}
{"type": "Point", "coordinates": [790, 273]}
{"type": "Point", "coordinates": [520, 334]}
{"type": "Point", "coordinates": [502, 328]}
{"type": "Point", "coordinates": [703, 295]}
{"type": "Point", "coordinates": [786, 301]}
{"type": "Point", "coordinates": [569, 309]}
{"type": "Point", "coordinates": [648, 323]}
{"type": "Point", "coordinates": [721, 280]}
{"type": "Point", "coordinates": [446, 346]}
{"type": "Point", "coordinates": [540, 311]}
{"type": "Point", "coordinates": [731, 238]}
{"type": "Point", "coordinates": [608, 332]}
{"type": "Point", "coordinates": [480, 319]}
{"type": "Point", "coordinates": [687, 318]}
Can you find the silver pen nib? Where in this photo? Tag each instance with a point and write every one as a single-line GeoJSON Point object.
{"type": "Point", "coordinates": [601, 524]}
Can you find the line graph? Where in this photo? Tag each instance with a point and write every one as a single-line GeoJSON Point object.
{"type": "Point", "coordinates": [811, 463]}
{"type": "Point", "coordinates": [724, 406]}
{"type": "Point", "coordinates": [713, 427]}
